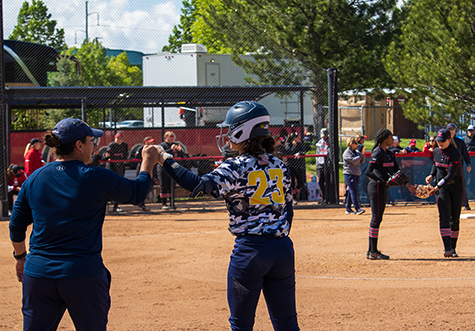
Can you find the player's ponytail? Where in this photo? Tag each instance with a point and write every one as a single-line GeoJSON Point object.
{"type": "Point", "coordinates": [257, 145]}
{"type": "Point", "coordinates": [381, 136]}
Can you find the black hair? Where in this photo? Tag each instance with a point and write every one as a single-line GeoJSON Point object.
{"type": "Point", "coordinates": [381, 136]}
{"type": "Point", "coordinates": [53, 141]}
{"type": "Point", "coordinates": [257, 145]}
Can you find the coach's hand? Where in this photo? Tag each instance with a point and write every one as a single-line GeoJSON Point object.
{"type": "Point", "coordinates": [150, 158]}
{"type": "Point", "coordinates": [162, 155]}
{"type": "Point", "coordinates": [19, 266]}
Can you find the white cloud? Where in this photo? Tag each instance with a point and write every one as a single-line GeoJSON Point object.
{"type": "Point", "coordinates": [141, 25]}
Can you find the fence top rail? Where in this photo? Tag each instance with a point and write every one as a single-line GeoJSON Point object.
{"type": "Point", "coordinates": [139, 96]}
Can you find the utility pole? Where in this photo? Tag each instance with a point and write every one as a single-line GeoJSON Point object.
{"type": "Point", "coordinates": [87, 18]}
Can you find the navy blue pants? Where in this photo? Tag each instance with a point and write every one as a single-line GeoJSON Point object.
{"type": "Point", "coordinates": [352, 197]}
{"type": "Point", "coordinates": [267, 264]}
{"type": "Point", "coordinates": [45, 301]}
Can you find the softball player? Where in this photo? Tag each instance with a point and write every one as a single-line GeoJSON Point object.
{"type": "Point", "coordinates": [256, 186]}
{"type": "Point", "coordinates": [381, 166]}
{"type": "Point", "coordinates": [447, 171]}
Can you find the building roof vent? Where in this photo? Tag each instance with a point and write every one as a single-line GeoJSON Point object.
{"type": "Point", "coordinates": [193, 48]}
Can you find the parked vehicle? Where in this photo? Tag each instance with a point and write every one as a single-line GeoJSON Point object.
{"type": "Point", "coordinates": [130, 124]}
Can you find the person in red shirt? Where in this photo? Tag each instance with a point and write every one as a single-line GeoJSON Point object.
{"type": "Point", "coordinates": [33, 158]}
{"type": "Point", "coordinates": [430, 145]}
{"type": "Point", "coordinates": [15, 178]}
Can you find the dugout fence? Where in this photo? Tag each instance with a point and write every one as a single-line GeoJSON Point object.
{"type": "Point", "coordinates": [97, 105]}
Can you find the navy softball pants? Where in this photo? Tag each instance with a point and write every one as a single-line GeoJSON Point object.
{"type": "Point", "coordinates": [267, 264]}
{"type": "Point", "coordinates": [45, 301]}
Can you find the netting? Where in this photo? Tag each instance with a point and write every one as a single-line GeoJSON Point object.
{"type": "Point", "coordinates": [144, 94]}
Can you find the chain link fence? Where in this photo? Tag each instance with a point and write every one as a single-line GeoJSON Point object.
{"type": "Point", "coordinates": [181, 95]}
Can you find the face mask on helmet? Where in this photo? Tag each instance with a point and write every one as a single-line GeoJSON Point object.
{"type": "Point", "coordinates": [244, 120]}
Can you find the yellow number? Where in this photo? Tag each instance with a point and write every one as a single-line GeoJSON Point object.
{"type": "Point", "coordinates": [278, 197]}
{"type": "Point", "coordinates": [260, 175]}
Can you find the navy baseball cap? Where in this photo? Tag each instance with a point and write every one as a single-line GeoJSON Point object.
{"type": "Point", "coordinates": [443, 135]}
{"type": "Point", "coordinates": [451, 125]}
{"type": "Point", "coordinates": [69, 130]}
{"type": "Point", "coordinates": [34, 141]}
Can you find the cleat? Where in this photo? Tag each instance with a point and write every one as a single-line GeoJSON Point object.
{"type": "Point", "coordinates": [350, 212]}
{"type": "Point", "coordinates": [468, 208]}
{"type": "Point", "coordinates": [378, 256]}
{"type": "Point", "coordinates": [448, 253]}
{"type": "Point", "coordinates": [368, 253]}
{"type": "Point", "coordinates": [454, 253]}
{"type": "Point", "coordinates": [359, 212]}
{"type": "Point", "coordinates": [165, 207]}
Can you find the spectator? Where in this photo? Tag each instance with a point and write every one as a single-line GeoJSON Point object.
{"type": "Point", "coordinates": [65, 202]}
{"type": "Point", "coordinates": [352, 161]}
{"type": "Point", "coordinates": [460, 144]}
{"type": "Point", "coordinates": [308, 137]}
{"type": "Point", "coordinates": [15, 179]}
{"type": "Point", "coordinates": [412, 147]}
{"type": "Point", "coordinates": [176, 149]}
{"type": "Point", "coordinates": [138, 155]}
{"type": "Point", "coordinates": [430, 145]}
{"type": "Point", "coordinates": [470, 143]}
{"type": "Point", "coordinates": [324, 169]}
{"type": "Point", "coordinates": [396, 146]}
{"type": "Point", "coordinates": [360, 139]}
{"type": "Point", "coordinates": [118, 151]}
{"type": "Point", "coordinates": [33, 157]}
{"type": "Point", "coordinates": [470, 138]}
{"type": "Point", "coordinates": [296, 164]}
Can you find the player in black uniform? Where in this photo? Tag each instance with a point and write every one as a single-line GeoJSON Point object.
{"type": "Point", "coordinates": [381, 166]}
{"type": "Point", "coordinates": [447, 171]}
{"type": "Point", "coordinates": [117, 150]}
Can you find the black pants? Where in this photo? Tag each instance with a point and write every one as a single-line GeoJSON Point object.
{"type": "Point", "coordinates": [449, 203]}
{"type": "Point", "coordinates": [325, 181]}
{"type": "Point", "coordinates": [165, 186]}
{"type": "Point", "coordinates": [378, 194]}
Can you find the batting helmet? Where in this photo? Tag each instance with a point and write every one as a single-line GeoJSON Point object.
{"type": "Point", "coordinates": [245, 120]}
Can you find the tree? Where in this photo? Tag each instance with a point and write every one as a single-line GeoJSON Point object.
{"type": "Point", "coordinates": [434, 61]}
{"type": "Point", "coordinates": [34, 24]}
{"type": "Point", "coordinates": [125, 74]}
{"type": "Point", "coordinates": [182, 33]}
{"type": "Point", "coordinates": [350, 35]}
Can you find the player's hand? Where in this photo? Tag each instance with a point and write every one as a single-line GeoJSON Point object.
{"type": "Point", "coordinates": [429, 179]}
{"type": "Point", "coordinates": [469, 168]}
{"type": "Point", "coordinates": [412, 188]}
{"type": "Point", "coordinates": [19, 266]}
{"type": "Point", "coordinates": [150, 154]}
{"type": "Point", "coordinates": [435, 190]}
{"type": "Point", "coordinates": [363, 150]}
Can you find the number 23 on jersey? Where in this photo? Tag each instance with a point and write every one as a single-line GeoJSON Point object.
{"type": "Point", "coordinates": [259, 177]}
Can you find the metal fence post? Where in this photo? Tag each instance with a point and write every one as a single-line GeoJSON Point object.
{"type": "Point", "coordinates": [3, 135]}
{"type": "Point", "coordinates": [333, 130]}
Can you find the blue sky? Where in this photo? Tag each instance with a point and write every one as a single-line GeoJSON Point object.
{"type": "Point", "coordinates": [140, 25]}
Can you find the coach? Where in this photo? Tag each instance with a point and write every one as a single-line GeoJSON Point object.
{"type": "Point", "coordinates": [66, 203]}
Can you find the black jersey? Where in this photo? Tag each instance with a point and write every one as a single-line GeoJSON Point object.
{"type": "Point", "coordinates": [382, 165]}
{"type": "Point", "coordinates": [118, 151]}
{"type": "Point", "coordinates": [447, 165]}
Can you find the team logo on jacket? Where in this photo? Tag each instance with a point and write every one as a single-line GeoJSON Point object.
{"type": "Point", "coordinates": [60, 168]}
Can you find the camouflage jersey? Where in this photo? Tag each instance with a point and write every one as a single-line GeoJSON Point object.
{"type": "Point", "coordinates": [256, 191]}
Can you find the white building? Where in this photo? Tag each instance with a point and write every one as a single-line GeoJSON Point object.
{"type": "Point", "coordinates": [195, 67]}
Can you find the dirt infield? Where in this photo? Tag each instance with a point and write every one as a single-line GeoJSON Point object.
{"type": "Point", "coordinates": [169, 272]}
